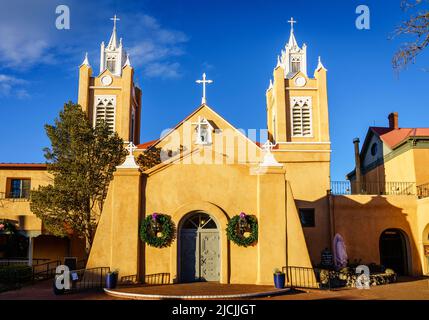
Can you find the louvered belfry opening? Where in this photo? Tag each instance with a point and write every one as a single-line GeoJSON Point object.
{"type": "Point", "coordinates": [105, 111]}
{"type": "Point", "coordinates": [301, 117]}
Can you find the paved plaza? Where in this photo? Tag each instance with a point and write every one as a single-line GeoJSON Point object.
{"type": "Point", "coordinates": [404, 289]}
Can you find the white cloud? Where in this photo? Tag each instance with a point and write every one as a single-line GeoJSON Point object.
{"type": "Point", "coordinates": [10, 85]}
{"type": "Point", "coordinates": [163, 70]}
{"type": "Point", "coordinates": [28, 37]}
{"type": "Point", "coordinates": [153, 47]}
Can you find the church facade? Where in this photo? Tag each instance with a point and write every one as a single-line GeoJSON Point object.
{"type": "Point", "coordinates": [211, 173]}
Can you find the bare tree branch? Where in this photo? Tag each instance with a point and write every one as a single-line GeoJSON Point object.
{"type": "Point", "coordinates": [417, 26]}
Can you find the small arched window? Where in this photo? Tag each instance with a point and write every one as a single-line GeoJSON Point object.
{"type": "Point", "coordinates": [295, 64]}
{"type": "Point", "coordinates": [111, 63]}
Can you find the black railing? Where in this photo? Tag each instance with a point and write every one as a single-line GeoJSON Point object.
{"type": "Point", "coordinates": [127, 280]}
{"type": "Point", "coordinates": [20, 261]}
{"type": "Point", "coordinates": [157, 278]}
{"type": "Point", "coordinates": [88, 279]}
{"type": "Point", "coordinates": [45, 270]}
{"type": "Point", "coordinates": [149, 279]}
{"type": "Point", "coordinates": [423, 190]}
{"type": "Point", "coordinates": [372, 188]}
{"type": "Point", "coordinates": [301, 277]}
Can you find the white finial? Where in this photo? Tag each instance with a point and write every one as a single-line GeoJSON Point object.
{"type": "Point", "coordinates": [204, 82]}
{"type": "Point", "coordinates": [127, 63]}
{"type": "Point", "coordinates": [113, 44]}
{"type": "Point", "coordinates": [292, 22]}
{"type": "Point", "coordinates": [86, 61]}
{"type": "Point", "coordinates": [131, 148]}
{"type": "Point", "coordinates": [271, 84]}
{"type": "Point", "coordinates": [278, 62]}
{"type": "Point", "coordinates": [269, 160]}
{"type": "Point", "coordinates": [268, 146]}
{"type": "Point", "coordinates": [130, 162]}
{"type": "Point", "coordinates": [320, 65]}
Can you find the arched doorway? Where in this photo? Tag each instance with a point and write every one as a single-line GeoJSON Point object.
{"type": "Point", "coordinates": [394, 250]}
{"type": "Point", "coordinates": [199, 248]}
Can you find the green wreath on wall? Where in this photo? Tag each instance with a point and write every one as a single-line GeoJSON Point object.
{"type": "Point", "coordinates": [242, 229]}
{"type": "Point", "coordinates": [157, 230]}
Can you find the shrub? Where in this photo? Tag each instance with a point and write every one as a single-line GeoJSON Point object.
{"type": "Point", "coordinates": [15, 274]}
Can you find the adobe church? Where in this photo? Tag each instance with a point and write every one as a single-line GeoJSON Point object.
{"type": "Point", "coordinates": [212, 175]}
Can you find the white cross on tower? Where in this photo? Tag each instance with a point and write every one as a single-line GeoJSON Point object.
{"type": "Point", "coordinates": [131, 148]}
{"type": "Point", "coordinates": [114, 21]}
{"type": "Point", "coordinates": [292, 22]}
{"type": "Point", "coordinates": [204, 81]}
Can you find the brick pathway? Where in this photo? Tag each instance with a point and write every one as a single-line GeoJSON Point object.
{"type": "Point", "coordinates": [407, 288]}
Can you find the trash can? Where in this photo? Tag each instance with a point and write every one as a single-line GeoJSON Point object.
{"type": "Point", "coordinates": [111, 280]}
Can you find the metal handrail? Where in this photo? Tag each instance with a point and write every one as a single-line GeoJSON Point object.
{"type": "Point", "coordinates": [45, 270]}
{"type": "Point", "coordinates": [157, 278]}
{"type": "Point", "coordinates": [301, 277]}
{"type": "Point", "coordinates": [373, 188]}
{"type": "Point", "coordinates": [86, 279]}
{"type": "Point", "coordinates": [20, 261]}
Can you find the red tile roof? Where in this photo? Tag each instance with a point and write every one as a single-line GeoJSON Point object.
{"type": "Point", "coordinates": [146, 145]}
{"type": "Point", "coordinates": [393, 137]}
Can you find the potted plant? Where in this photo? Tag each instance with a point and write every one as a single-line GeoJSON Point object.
{"type": "Point", "coordinates": [279, 279]}
{"type": "Point", "coordinates": [112, 279]}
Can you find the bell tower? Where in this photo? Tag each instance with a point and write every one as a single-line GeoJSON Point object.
{"type": "Point", "coordinates": [297, 105]}
{"type": "Point", "coordinates": [112, 96]}
{"type": "Point", "coordinates": [298, 126]}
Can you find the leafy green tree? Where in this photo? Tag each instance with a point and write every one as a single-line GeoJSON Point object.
{"type": "Point", "coordinates": [82, 160]}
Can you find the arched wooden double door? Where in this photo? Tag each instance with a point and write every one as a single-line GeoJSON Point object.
{"type": "Point", "coordinates": [199, 248]}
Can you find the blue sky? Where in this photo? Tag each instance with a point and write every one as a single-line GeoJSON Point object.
{"type": "Point", "coordinates": [235, 42]}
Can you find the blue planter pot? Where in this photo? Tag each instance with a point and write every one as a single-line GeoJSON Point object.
{"type": "Point", "coordinates": [111, 280]}
{"type": "Point", "coordinates": [279, 280]}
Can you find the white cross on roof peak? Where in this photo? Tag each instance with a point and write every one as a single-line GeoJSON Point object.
{"type": "Point", "coordinates": [204, 81]}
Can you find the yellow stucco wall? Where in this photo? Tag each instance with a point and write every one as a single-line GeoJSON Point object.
{"type": "Point", "coordinates": [19, 210]}
{"type": "Point", "coordinates": [361, 219]}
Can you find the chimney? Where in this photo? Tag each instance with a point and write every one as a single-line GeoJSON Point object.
{"type": "Point", "coordinates": [357, 161]}
{"type": "Point", "coordinates": [393, 120]}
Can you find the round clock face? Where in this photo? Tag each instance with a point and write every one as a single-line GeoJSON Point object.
{"type": "Point", "coordinates": [300, 81]}
{"type": "Point", "coordinates": [106, 80]}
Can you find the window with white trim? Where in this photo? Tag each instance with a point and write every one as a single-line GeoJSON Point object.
{"type": "Point", "coordinates": [105, 110]}
{"type": "Point", "coordinates": [301, 117]}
